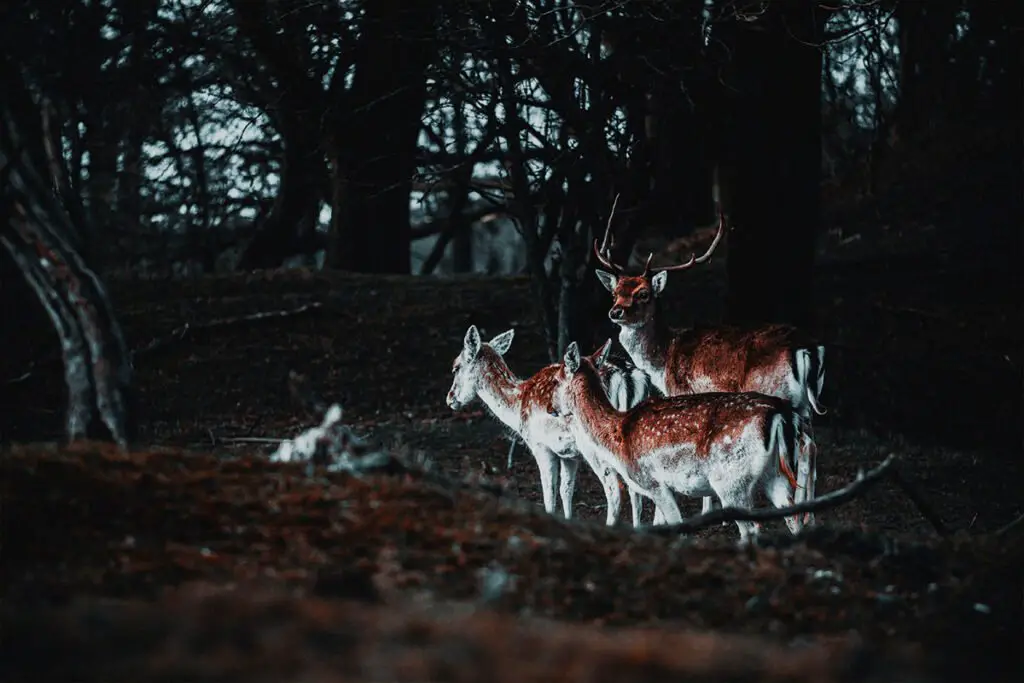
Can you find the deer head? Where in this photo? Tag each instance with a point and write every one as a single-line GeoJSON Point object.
{"type": "Point", "coordinates": [572, 364]}
{"type": "Point", "coordinates": [473, 363]}
{"type": "Point", "coordinates": [633, 295]}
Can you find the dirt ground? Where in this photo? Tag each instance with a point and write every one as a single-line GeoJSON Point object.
{"type": "Point", "coordinates": [924, 362]}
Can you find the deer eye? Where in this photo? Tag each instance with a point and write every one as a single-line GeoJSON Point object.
{"type": "Point", "coordinates": [643, 296]}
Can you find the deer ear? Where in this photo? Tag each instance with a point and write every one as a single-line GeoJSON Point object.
{"type": "Point", "coordinates": [572, 358]}
{"type": "Point", "coordinates": [471, 344]}
{"type": "Point", "coordinates": [658, 282]}
{"type": "Point", "coordinates": [607, 279]}
{"type": "Point", "coordinates": [601, 355]}
{"type": "Point", "coordinates": [502, 342]}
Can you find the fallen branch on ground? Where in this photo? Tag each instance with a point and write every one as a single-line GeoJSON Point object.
{"type": "Point", "coordinates": [1010, 527]}
{"type": "Point", "coordinates": [183, 331]}
{"type": "Point", "coordinates": [830, 500]}
{"type": "Point", "coordinates": [912, 492]}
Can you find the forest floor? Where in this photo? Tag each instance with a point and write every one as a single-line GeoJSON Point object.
{"type": "Point", "coordinates": [924, 362]}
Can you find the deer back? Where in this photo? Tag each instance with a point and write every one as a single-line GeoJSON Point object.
{"type": "Point", "coordinates": [732, 359]}
{"type": "Point", "coordinates": [694, 422]}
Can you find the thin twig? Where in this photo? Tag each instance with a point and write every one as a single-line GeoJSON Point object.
{"type": "Point", "coordinates": [1010, 527]}
{"type": "Point", "coordinates": [511, 450]}
{"type": "Point", "coordinates": [825, 502]}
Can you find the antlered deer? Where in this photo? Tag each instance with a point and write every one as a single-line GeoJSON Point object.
{"type": "Point", "coordinates": [777, 360]}
{"type": "Point", "coordinates": [698, 444]}
{"type": "Point", "coordinates": [525, 407]}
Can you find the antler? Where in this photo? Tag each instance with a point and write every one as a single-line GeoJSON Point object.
{"type": "Point", "coordinates": [694, 260]}
{"type": "Point", "coordinates": [607, 243]}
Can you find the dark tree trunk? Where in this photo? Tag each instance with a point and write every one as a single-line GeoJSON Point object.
{"type": "Point", "coordinates": [137, 15]}
{"type": "Point", "coordinates": [772, 158]}
{"type": "Point", "coordinates": [680, 103]}
{"type": "Point", "coordinates": [925, 30]}
{"type": "Point", "coordinates": [997, 28]}
{"type": "Point", "coordinates": [374, 141]}
{"type": "Point", "coordinates": [34, 230]}
{"type": "Point", "coordinates": [458, 194]}
{"type": "Point", "coordinates": [102, 142]}
{"type": "Point", "coordinates": [292, 220]}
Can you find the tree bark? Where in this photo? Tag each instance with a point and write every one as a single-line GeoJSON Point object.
{"type": "Point", "coordinates": [996, 28]}
{"type": "Point", "coordinates": [293, 217]}
{"type": "Point", "coordinates": [373, 143]}
{"type": "Point", "coordinates": [772, 158]}
{"type": "Point", "coordinates": [458, 194]}
{"type": "Point", "coordinates": [34, 230]}
{"type": "Point", "coordinates": [924, 32]}
{"type": "Point", "coordinates": [137, 15]}
{"type": "Point", "coordinates": [680, 105]}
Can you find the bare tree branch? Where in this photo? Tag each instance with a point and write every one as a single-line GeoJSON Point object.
{"type": "Point", "coordinates": [830, 500]}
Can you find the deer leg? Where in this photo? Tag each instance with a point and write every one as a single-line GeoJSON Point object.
{"type": "Point", "coordinates": [567, 483]}
{"type": "Point", "coordinates": [666, 504]}
{"type": "Point", "coordinates": [802, 471]}
{"type": "Point", "coordinates": [812, 478]}
{"type": "Point", "coordinates": [739, 493]}
{"type": "Point", "coordinates": [612, 494]}
{"type": "Point", "coordinates": [547, 463]}
{"type": "Point", "coordinates": [610, 483]}
{"type": "Point", "coordinates": [709, 505]}
{"type": "Point", "coordinates": [637, 501]}
{"type": "Point", "coordinates": [806, 475]}
{"type": "Point", "coordinates": [781, 494]}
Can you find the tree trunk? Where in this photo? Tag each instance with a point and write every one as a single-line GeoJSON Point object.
{"type": "Point", "coordinates": [772, 159]}
{"type": "Point", "coordinates": [293, 217]}
{"type": "Point", "coordinates": [680, 103]}
{"type": "Point", "coordinates": [997, 60]}
{"type": "Point", "coordinates": [137, 15]}
{"type": "Point", "coordinates": [925, 29]}
{"type": "Point", "coordinates": [103, 143]}
{"type": "Point", "coordinates": [373, 142]}
{"type": "Point", "coordinates": [458, 194]}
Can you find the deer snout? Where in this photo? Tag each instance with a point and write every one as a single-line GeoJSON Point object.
{"type": "Point", "coordinates": [616, 313]}
{"type": "Point", "coordinates": [452, 401]}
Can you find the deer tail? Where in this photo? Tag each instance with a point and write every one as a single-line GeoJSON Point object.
{"type": "Point", "coordinates": [810, 365]}
{"type": "Point", "coordinates": [782, 442]}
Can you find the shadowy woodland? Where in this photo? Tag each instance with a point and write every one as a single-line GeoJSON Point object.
{"type": "Point", "coordinates": [218, 218]}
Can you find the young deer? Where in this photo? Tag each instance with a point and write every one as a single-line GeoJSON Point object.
{"type": "Point", "coordinates": [525, 407]}
{"type": "Point", "coordinates": [700, 444]}
{"type": "Point", "coordinates": [773, 359]}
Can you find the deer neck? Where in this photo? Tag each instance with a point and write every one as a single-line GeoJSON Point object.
{"type": "Point", "coordinates": [647, 346]}
{"type": "Point", "coordinates": [500, 391]}
{"type": "Point", "coordinates": [595, 419]}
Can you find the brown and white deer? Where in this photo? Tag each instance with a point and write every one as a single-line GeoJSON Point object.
{"type": "Point", "coordinates": [525, 407]}
{"type": "Point", "coordinates": [777, 360]}
{"type": "Point", "coordinates": [724, 444]}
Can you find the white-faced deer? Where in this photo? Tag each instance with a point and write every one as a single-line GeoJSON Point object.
{"type": "Point", "coordinates": [777, 360]}
{"type": "Point", "coordinates": [698, 445]}
{"type": "Point", "coordinates": [525, 407]}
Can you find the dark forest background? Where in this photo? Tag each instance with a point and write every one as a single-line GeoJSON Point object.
{"type": "Point", "coordinates": [182, 137]}
{"type": "Point", "coordinates": [219, 216]}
